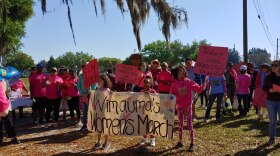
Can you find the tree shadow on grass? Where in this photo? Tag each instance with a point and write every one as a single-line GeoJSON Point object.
{"type": "Point", "coordinates": [262, 150]}
{"type": "Point", "coordinates": [252, 124]}
{"type": "Point", "coordinates": [134, 150]}
{"type": "Point", "coordinates": [60, 138]}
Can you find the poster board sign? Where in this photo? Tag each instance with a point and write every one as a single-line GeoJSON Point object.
{"type": "Point", "coordinates": [211, 61]}
{"type": "Point", "coordinates": [131, 114]}
{"type": "Point", "coordinates": [90, 74]}
{"type": "Point", "coordinates": [237, 67]}
{"type": "Point", "coordinates": [127, 73]}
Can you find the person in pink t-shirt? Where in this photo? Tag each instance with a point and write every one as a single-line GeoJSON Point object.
{"type": "Point", "coordinates": [38, 93]}
{"type": "Point", "coordinates": [164, 79]}
{"type": "Point", "coordinates": [73, 95]}
{"type": "Point", "coordinates": [140, 80]}
{"type": "Point", "coordinates": [16, 92]}
{"type": "Point", "coordinates": [243, 90]}
{"type": "Point", "coordinates": [182, 88]}
{"type": "Point", "coordinates": [53, 94]}
{"type": "Point", "coordinates": [63, 73]}
{"type": "Point", "coordinates": [147, 89]}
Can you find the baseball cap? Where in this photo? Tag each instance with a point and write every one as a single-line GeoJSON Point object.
{"type": "Point", "coordinates": [243, 67]}
{"type": "Point", "coordinates": [40, 65]}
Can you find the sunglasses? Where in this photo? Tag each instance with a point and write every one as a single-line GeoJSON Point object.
{"type": "Point", "coordinates": [274, 65]}
{"type": "Point", "coordinates": [53, 70]}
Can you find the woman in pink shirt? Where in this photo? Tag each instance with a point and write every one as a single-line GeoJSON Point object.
{"type": "Point", "coordinates": [243, 90]}
{"type": "Point", "coordinates": [53, 83]}
{"type": "Point", "coordinates": [164, 79]}
{"type": "Point", "coordinates": [73, 95]}
{"type": "Point", "coordinates": [182, 88]}
{"type": "Point", "coordinates": [140, 80]}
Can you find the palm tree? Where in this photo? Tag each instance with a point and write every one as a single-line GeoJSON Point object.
{"type": "Point", "coordinates": [169, 16]}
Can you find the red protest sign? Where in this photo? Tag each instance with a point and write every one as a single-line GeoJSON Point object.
{"type": "Point", "coordinates": [127, 73]}
{"type": "Point", "coordinates": [276, 88]}
{"type": "Point", "coordinates": [211, 61]}
{"type": "Point", "coordinates": [237, 67]}
{"type": "Point", "coordinates": [90, 73]}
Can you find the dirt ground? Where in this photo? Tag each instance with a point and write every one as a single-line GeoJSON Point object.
{"type": "Point", "coordinates": [234, 136]}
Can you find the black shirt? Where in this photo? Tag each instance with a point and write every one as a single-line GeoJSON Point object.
{"type": "Point", "coordinates": [269, 80]}
{"type": "Point", "coordinates": [253, 79]}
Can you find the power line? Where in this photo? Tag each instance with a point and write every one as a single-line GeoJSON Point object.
{"type": "Point", "coordinates": [264, 20]}
{"type": "Point", "coordinates": [261, 17]}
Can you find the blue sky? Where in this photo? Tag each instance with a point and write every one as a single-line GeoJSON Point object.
{"type": "Point", "coordinates": [218, 21]}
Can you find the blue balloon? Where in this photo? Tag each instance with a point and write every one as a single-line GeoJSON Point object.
{"type": "Point", "coordinates": [15, 75]}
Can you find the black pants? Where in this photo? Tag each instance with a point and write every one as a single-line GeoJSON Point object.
{"type": "Point", "coordinates": [251, 96]}
{"type": "Point", "coordinates": [245, 109]}
{"type": "Point", "coordinates": [38, 108]}
{"type": "Point", "coordinates": [52, 105]}
{"type": "Point", "coordinates": [73, 104]}
{"type": "Point", "coordinates": [231, 93]}
{"type": "Point", "coordinates": [10, 130]}
{"type": "Point", "coordinates": [203, 95]}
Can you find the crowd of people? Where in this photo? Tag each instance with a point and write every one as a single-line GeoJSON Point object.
{"type": "Point", "coordinates": [62, 89]}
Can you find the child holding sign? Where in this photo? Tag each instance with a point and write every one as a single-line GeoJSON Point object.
{"type": "Point", "coordinates": [104, 85]}
{"type": "Point", "coordinates": [147, 89]}
{"type": "Point", "coordinates": [182, 88]}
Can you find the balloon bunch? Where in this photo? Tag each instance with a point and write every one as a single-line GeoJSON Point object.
{"type": "Point", "coordinates": [11, 74]}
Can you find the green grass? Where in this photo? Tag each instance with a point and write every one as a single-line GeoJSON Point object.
{"type": "Point", "coordinates": [26, 82]}
{"type": "Point", "coordinates": [234, 136]}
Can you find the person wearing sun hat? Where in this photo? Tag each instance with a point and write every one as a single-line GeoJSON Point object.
{"type": "Point", "coordinates": [271, 87]}
{"type": "Point", "coordinates": [155, 71]}
{"type": "Point", "coordinates": [258, 102]}
{"type": "Point", "coordinates": [243, 90]}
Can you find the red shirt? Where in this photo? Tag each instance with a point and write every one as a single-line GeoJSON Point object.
{"type": "Point", "coordinates": [72, 89]}
{"type": "Point", "coordinates": [19, 85]}
{"type": "Point", "coordinates": [36, 81]}
{"type": "Point", "coordinates": [63, 88]}
{"type": "Point", "coordinates": [141, 78]}
{"type": "Point", "coordinates": [164, 76]}
{"type": "Point", "coordinates": [155, 72]}
{"type": "Point", "coordinates": [52, 89]}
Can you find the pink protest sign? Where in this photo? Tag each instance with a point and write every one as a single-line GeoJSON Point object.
{"type": "Point", "coordinates": [127, 73]}
{"type": "Point", "coordinates": [90, 74]}
{"type": "Point", "coordinates": [211, 61]}
{"type": "Point", "coordinates": [237, 67]}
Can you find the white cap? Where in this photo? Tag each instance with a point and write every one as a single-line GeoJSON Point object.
{"type": "Point", "coordinates": [243, 67]}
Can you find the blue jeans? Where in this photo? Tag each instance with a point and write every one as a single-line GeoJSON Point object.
{"type": "Point", "coordinates": [212, 98]}
{"type": "Point", "coordinates": [85, 111]}
{"type": "Point", "coordinates": [245, 109]}
{"type": "Point", "coordinates": [273, 107]}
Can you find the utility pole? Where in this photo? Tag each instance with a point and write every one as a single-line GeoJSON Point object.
{"type": "Point", "coordinates": [245, 32]}
{"type": "Point", "coordinates": [277, 50]}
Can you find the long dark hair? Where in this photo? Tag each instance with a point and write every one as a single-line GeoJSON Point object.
{"type": "Point", "coordinates": [176, 70]}
{"type": "Point", "coordinates": [107, 81]}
